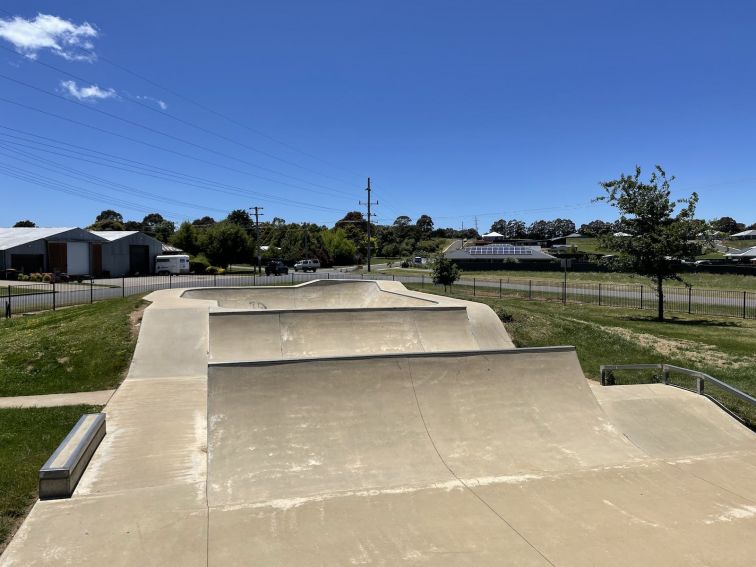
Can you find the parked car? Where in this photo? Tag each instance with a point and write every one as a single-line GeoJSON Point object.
{"type": "Point", "coordinates": [276, 268]}
{"type": "Point", "coordinates": [307, 265]}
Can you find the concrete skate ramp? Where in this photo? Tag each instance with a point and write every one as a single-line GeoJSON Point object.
{"type": "Point", "coordinates": [452, 459]}
{"type": "Point", "coordinates": [317, 294]}
{"type": "Point", "coordinates": [268, 335]}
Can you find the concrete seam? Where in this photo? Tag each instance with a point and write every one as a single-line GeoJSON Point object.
{"type": "Point", "coordinates": [459, 479]}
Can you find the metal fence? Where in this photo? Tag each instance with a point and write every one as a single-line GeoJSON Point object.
{"type": "Point", "coordinates": [25, 297]}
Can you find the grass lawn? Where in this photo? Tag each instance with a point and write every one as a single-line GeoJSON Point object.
{"type": "Point", "coordinates": [701, 280]}
{"type": "Point", "coordinates": [27, 439]}
{"type": "Point", "coordinates": [76, 349]}
{"type": "Point", "coordinates": [723, 348]}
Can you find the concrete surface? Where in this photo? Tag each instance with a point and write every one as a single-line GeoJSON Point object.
{"type": "Point", "coordinates": [413, 455]}
{"type": "Point", "coordinates": [98, 398]}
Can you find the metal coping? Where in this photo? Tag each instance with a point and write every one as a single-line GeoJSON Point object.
{"type": "Point", "coordinates": [240, 311]}
{"type": "Point", "coordinates": [421, 354]}
{"type": "Point", "coordinates": [48, 471]}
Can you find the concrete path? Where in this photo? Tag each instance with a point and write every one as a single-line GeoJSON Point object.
{"type": "Point", "coordinates": [99, 398]}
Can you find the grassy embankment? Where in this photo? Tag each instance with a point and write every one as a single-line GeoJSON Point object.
{"type": "Point", "coordinates": [723, 348]}
{"type": "Point", "coordinates": [76, 349]}
{"type": "Point", "coordinates": [27, 438]}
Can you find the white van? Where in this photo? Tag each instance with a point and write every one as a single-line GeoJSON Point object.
{"type": "Point", "coordinates": [176, 264]}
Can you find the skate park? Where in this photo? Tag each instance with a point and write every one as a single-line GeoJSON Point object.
{"type": "Point", "coordinates": [348, 423]}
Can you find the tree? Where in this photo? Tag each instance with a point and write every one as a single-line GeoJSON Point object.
{"type": "Point", "coordinates": [108, 220]}
{"type": "Point", "coordinates": [445, 271]}
{"type": "Point", "coordinates": [156, 226]}
{"type": "Point", "coordinates": [499, 226]}
{"type": "Point", "coordinates": [727, 225]}
{"type": "Point", "coordinates": [225, 243]}
{"type": "Point", "coordinates": [661, 237]}
{"type": "Point", "coordinates": [186, 238]}
{"type": "Point", "coordinates": [25, 224]}
{"type": "Point", "coordinates": [203, 221]}
{"type": "Point", "coordinates": [595, 228]}
{"type": "Point", "coordinates": [241, 218]}
{"type": "Point", "coordinates": [425, 224]}
{"type": "Point", "coordinates": [402, 220]}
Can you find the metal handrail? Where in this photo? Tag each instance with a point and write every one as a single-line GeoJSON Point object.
{"type": "Point", "coordinates": [666, 369]}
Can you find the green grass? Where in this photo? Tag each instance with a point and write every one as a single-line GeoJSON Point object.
{"type": "Point", "coordinates": [76, 349]}
{"type": "Point", "coordinates": [27, 438]}
{"type": "Point", "coordinates": [700, 280]}
{"type": "Point", "coordinates": [723, 348]}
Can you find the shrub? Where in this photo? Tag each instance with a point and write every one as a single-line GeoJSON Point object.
{"type": "Point", "coordinates": [198, 264]}
{"type": "Point", "coordinates": [23, 278]}
{"type": "Point", "coordinates": [47, 278]}
{"type": "Point", "coordinates": [405, 264]}
{"type": "Point", "coordinates": [35, 277]}
{"type": "Point", "coordinates": [212, 270]}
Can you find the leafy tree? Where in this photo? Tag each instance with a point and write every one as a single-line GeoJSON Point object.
{"type": "Point", "coordinates": [499, 226]}
{"type": "Point", "coordinates": [338, 246]}
{"type": "Point", "coordinates": [562, 227]}
{"type": "Point", "coordinates": [595, 228]}
{"type": "Point", "coordinates": [109, 215]}
{"type": "Point", "coordinates": [132, 225]}
{"type": "Point", "coordinates": [241, 218]}
{"type": "Point", "coordinates": [727, 225]}
{"type": "Point", "coordinates": [25, 224]}
{"type": "Point", "coordinates": [108, 220]}
{"type": "Point", "coordinates": [186, 238]}
{"type": "Point", "coordinates": [156, 226]}
{"type": "Point", "coordinates": [203, 221]}
{"type": "Point", "coordinates": [425, 224]}
{"type": "Point", "coordinates": [515, 229]}
{"type": "Point", "coordinates": [225, 243]}
{"type": "Point", "coordinates": [402, 220]}
{"type": "Point", "coordinates": [445, 272]}
{"type": "Point", "coordinates": [661, 236]}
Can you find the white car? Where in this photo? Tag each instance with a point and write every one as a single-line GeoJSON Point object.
{"type": "Point", "coordinates": [307, 265]}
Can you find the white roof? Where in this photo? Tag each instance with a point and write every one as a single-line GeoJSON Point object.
{"type": "Point", "coordinates": [492, 235]}
{"type": "Point", "coordinates": [112, 235]}
{"type": "Point", "coordinates": [747, 253]}
{"type": "Point", "coordinates": [746, 233]}
{"type": "Point", "coordinates": [12, 237]}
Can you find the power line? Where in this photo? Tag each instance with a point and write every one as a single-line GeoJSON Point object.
{"type": "Point", "coordinates": [154, 146]}
{"type": "Point", "coordinates": [183, 121]}
{"type": "Point", "coordinates": [175, 138]}
{"type": "Point", "coordinates": [92, 53]}
{"type": "Point", "coordinates": [148, 170]}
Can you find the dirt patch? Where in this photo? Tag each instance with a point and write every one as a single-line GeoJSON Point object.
{"type": "Point", "coordinates": [699, 354]}
{"type": "Point", "coordinates": [135, 319]}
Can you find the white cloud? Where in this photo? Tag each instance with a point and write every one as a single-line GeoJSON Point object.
{"type": "Point", "coordinates": [92, 92]}
{"type": "Point", "coordinates": [60, 36]}
{"type": "Point", "coordinates": [161, 103]}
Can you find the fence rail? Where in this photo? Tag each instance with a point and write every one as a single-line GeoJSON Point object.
{"type": "Point", "coordinates": [702, 379]}
{"type": "Point", "coordinates": [25, 297]}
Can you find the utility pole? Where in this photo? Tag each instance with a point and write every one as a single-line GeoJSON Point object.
{"type": "Point", "coordinates": [257, 236]}
{"type": "Point", "coordinates": [369, 220]}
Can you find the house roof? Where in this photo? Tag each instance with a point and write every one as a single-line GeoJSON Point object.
{"type": "Point", "coordinates": [499, 252]}
{"type": "Point", "coordinates": [746, 233]}
{"type": "Point", "coordinates": [747, 253]}
{"type": "Point", "coordinates": [168, 249]}
{"type": "Point", "coordinates": [112, 235]}
{"type": "Point", "coordinates": [12, 237]}
{"type": "Point", "coordinates": [492, 235]}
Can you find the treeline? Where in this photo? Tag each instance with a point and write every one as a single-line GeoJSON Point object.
{"type": "Point", "coordinates": [233, 240]}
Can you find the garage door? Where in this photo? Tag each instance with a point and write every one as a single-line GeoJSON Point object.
{"type": "Point", "coordinates": [78, 258]}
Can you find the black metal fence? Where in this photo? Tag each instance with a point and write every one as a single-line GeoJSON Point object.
{"type": "Point", "coordinates": [26, 297]}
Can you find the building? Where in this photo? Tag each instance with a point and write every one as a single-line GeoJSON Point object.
{"type": "Point", "coordinates": [128, 252]}
{"type": "Point", "coordinates": [72, 251]}
{"type": "Point", "coordinates": [747, 255]}
{"type": "Point", "coordinates": [495, 256]}
{"type": "Point", "coordinates": [745, 235]}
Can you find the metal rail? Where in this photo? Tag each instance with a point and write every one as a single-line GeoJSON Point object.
{"type": "Point", "coordinates": [666, 369]}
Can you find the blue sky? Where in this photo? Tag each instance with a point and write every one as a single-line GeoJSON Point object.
{"type": "Point", "coordinates": [513, 109]}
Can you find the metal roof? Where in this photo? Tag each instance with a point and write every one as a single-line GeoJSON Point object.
{"type": "Point", "coordinates": [745, 233]}
{"type": "Point", "coordinates": [12, 237]}
{"type": "Point", "coordinates": [112, 235]}
{"type": "Point", "coordinates": [499, 251]}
